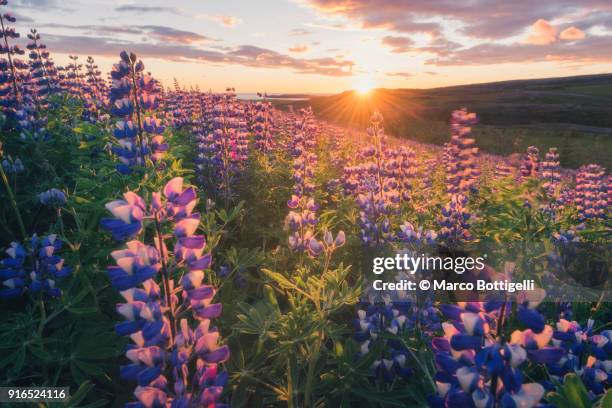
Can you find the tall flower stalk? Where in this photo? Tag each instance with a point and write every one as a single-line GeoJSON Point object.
{"type": "Point", "coordinates": [175, 351]}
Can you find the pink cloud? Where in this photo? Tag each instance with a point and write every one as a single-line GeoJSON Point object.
{"type": "Point", "coordinates": [542, 33]}
{"type": "Point", "coordinates": [299, 48]}
{"type": "Point", "coordinates": [572, 34]}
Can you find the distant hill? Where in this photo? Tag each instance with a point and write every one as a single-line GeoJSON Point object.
{"type": "Point", "coordinates": [571, 113]}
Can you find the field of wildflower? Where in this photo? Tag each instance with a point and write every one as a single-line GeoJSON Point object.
{"type": "Point", "coordinates": [168, 247]}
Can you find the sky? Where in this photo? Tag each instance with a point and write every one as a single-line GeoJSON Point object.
{"type": "Point", "coordinates": [328, 46]}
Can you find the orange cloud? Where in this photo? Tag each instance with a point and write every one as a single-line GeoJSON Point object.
{"type": "Point", "coordinates": [542, 33]}
{"type": "Point", "coordinates": [572, 34]}
{"type": "Point", "coordinates": [299, 48]}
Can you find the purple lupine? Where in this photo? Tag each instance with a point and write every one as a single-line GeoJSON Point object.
{"type": "Point", "coordinates": [262, 127]}
{"type": "Point", "coordinates": [12, 67]}
{"type": "Point", "coordinates": [530, 165]}
{"type": "Point", "coordinates": [95, 92]}
{"type": "Point", "coordinates": [33, 268]}
{"type": "Point", "coordinates": [379, 183]}
{"type": "Point", "coordinates": [173, 359]}
{"type": "Point", "coordinates": [551, 171]}
{"type": "Point", "coordinates": [474, 358]}
{"type": "Point", "coordinates": [302, 218]}
{"type": "Point", "coordinates": [455, 221]}
{"type": "Point", "coordinates": [221, 134]}
{"type": "Point", "coordinates": [462, 170]}
{"type": "Point", "coordinates": [591, 193]}
{"type": "Point", "coordinates": [502, 170]}
{"type": "Point", "coordinates": [134, 94]}
{"type": "Point", "coordinates": [587, 354]}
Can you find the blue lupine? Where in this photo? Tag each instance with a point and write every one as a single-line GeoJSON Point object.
{"type": "Point", "coordinates": [133, 94]}
{"type": "Point", "coordinates": [455, 221]}
{"type": "Point", "coordinates": [13, 166]}
{"type": "Point", "coordinates": [173, 361]}
{"type": "Point", "coordinates": [222, 143]}
{"type": "Point", "coordinates": [33, 268]}
{"type": "Point", "coordinates": [473, 357]}
{"type": "Point", "coordinates": [380, 181]}
{"type": "Point", "coordinates": [391, 317]}
{"type": "Point", "coordinates": [587, 354]}
{"type": "Point", "coordinates": [52, 198]}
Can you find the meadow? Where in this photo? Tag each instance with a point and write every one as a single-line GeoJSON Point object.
{"type": "Point", "coordinates": [571, 113]}
{"type": "Point", "coordinates": [168, 247]}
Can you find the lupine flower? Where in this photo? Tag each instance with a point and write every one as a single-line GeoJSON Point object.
{"type": "Point", "coordinates": [133, 95]}
{"type": "Point", "coordinates": [222, 143]}
{"type": "Point", "coordinates": [530, 166]}
{"type": "Point", "coordinates": [33, 268]}
{"type": "Point", "coordinates": [587, 354]}
{"type": "Point", "coordinates": [52, 198]}
{"type": "Point", "coordinates": [386, 316]}
{"type": "Point", "coordinates": [9, 79]}
{"type": "Point", "coordinates": [302, 219]}
{"type": "Point", "coordinates": [173, 360]}
{"type": "Point", "coordinates": [551, 171]}
{"type": "Point", "coordinates": [262, 127]}
{"type": "Point", "coordinates": [591, 195]}
{"type": "Point", "coordinates": [13, 166]}
{"type": "Point", "coordinates": [474, 360]}
{"type": "Point", "coordinates": [502, 170]}
{"type": "Point", "coordinates": [416, 236]}
{"type": "Point", "coordinates": [455, 221]}
{"type": "Point", "coordinates": [380, 182]}
{"type": "Point", "coordinates": [462, 171]}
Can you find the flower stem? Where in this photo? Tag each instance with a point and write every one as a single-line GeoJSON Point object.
{"type": "Point", "coordinates": [9, 190]}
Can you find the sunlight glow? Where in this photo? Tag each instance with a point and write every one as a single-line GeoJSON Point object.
{"type": "Point", "coordinates": [364, 85]}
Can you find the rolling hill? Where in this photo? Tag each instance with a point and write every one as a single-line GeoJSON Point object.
{"type": "Point", "coordinates": [571, 113]}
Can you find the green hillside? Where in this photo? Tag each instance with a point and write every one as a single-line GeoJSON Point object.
{"type": "Point", "coordinates": [571, 113]}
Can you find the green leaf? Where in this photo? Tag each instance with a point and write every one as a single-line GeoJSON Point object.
{"type": "Point", "coordinates": [606, 401]}
{"type": "Point", "coordinates": [278, 278]}
{"type": "Point", "coordinates": [572, 394]}
{"type": "Point", "coordinates": [80, 394]}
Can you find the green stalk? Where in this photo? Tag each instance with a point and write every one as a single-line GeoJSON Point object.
{"type": "Point", "coordinates": [290, 382]}
{"type": "Point", "coordinates": [13, 201]}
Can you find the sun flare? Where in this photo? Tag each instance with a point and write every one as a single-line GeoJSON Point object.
{"type": "Point", "coordinates": [364, 86]}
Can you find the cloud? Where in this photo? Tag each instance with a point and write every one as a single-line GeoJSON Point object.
{"type": "Point", "coordinates": [147, 9]}
{"type": "Point", "coordinates": [572, 34]}
{"type": "Point", "coordinates": [594, 49]}
{"type": "Point", "coordinates": [245, 55]}
{"type": "Point", "coordinates": [169, 34]}
{"type": "Point", "coordinates": [299, 48]}
{"type": "Point", "coordinates": [299, 31]}
{"type": "Point", "coordinates": [160, 33]}
{"type": "Point", "coordinates": [400, 74]}
{"type": "Point", "coordinates": [542, 33]}
{"type": "Point", "coordinates": [482, 19]}
{"type": "Point", "coordinates": [227, 21]}
{"type": "Point", "coordinates": [398, 44]}
{"type": "Point", "coordinates": [42, 5]}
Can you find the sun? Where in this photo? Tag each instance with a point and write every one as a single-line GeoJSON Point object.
{"type": "Point", "coordinates": [364, 85]}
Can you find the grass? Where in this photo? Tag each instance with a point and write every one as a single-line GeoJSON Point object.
{"type": "Point", "coordinates": [573, 114]}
